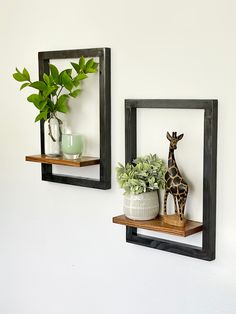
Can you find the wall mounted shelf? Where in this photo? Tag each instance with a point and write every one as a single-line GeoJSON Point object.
{"type": "Point", "coordinates": [158, 225]}
{"type": "Point", "coordinates": [208, 226]}
{"type": "Point", "coordinates": [82, 162]}
{"type": "Point", "coordinates": [104, 96]}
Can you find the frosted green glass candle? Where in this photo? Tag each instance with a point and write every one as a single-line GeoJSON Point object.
{"type": "Point", "coordinates": [72, 146]}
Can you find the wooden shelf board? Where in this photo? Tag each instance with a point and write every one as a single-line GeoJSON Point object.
{"type": "Point", "coordinates": [158, 224]}
{"type": "Point", "coordinates": [82, 162]}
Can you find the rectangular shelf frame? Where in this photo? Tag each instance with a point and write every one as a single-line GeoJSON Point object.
{"type": "Point", "coordinates": [103, 54]}
{"type": "Point", "coordinates": [210, 107]}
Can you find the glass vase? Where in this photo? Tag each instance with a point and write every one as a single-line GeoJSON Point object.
{"type": "Point", "coordinates": [72, 146]}
{"type": "Point", "coordinates": [53, 136]}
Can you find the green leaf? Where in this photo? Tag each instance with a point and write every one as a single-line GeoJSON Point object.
{"type": "Point", "coordinates": [45, 116]}
{"type": "Point", "coordinates": [61, 74]}
{"type": "Point", "coordinates": [79, 78]}
{"type": "Point", "coordinates": [68, 71]}
{"type": "Point", "coordinates": [91, 70]}
{"type": "Point", "coordinates": [81, 63]}
{"type": "Point", "coordinates": [46, 79]}
{"type": "Point", "coordinates": [42, 105]}
{"type": "Point", "coordinates": [41, 115]}
{"type": "Point", "coordinates": [51, 79]}
{"type": "Point", "coordinates": [62, 104]}
{"type": "Point", "coordinates": [39, 85]}
{"type": "Point", "coordinates": [49, 90]}
{"type": "Point", "coordinates": [95, 66]}
{"type": "Point", "coordinates": [19, 77]}
{"type": "Point", "coordinates": [76, 67]}
{"type": "Point", "coordinates": [75, 93]}
{"type": "Point", "coordinates": [54, 73]}
{"type": "Point", "coordinates": [26, 74]}
{"type": "Point", "coordinates": [67, 81]}
{"type": "Point", "coordinates": [89, 64]}
{"type": "Point", "coordinates": [76, 83]}
{"type": "Point", "coordinates": [50, 105]}
{"type": "Point", "coordinates": [24, 85]}
{"type": "Point", "coordinates": [35, 99]}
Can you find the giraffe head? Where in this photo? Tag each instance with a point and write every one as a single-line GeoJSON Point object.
{"type": "Point", "coordinates": [174, 139]}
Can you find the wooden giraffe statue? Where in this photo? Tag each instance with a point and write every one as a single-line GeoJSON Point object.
{"type": "Point", "coordinates": [175, 185]}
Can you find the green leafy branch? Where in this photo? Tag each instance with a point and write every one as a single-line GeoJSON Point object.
{"type": "Point", "coordinates": [56, 88]}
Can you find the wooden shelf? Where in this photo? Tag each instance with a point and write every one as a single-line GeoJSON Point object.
{"type": "Point", "coordinates": [82, 162]}
{"type": "Point", "coordinates": [158, 224]}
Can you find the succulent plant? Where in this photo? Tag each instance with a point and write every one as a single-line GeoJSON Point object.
{"type": "Point", "coordinates": [145, 174]}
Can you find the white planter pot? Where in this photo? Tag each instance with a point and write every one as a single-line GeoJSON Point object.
{"type": "Point", "coordinates": [143, 206]}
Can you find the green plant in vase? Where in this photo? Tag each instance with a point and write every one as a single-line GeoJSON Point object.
{"type": "Point", "coordinates": [140, 181]}
{"type": "Point", "coordinates": [53, 93]}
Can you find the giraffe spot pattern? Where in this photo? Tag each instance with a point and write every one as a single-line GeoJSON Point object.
{"type": "Point", "coordinates": [174, 182]}
{"type": "Point", "coordinates": [173, 189]}
{"type": "Point", "coordinates": [172, 171]}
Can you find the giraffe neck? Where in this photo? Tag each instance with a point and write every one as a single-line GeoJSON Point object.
{"type": "Point", "coordinates": [171, 159]}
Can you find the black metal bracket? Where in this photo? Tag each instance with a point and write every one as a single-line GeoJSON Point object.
{"type": "Point", "coordinates": [210, 107]}
{"type": "Point", "coordinates": [105, 116]}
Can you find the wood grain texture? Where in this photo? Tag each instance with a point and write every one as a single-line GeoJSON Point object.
{"type": "Point", "coordinates": [82, 162]}
{"type": "Point", "coordinates": [159, 225]}
{"type": "Point", "coordinates": [174, 220]}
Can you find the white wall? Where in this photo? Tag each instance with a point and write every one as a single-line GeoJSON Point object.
{"type": "Point", "coordinates": [59, 251]}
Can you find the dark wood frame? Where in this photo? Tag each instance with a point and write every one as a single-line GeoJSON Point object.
{"type": "Point", "coordinates": [105, 116]}
{"type": "Point", "coordinates": [207, 251]}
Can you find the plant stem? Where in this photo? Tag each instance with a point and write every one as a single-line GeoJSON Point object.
{"type": "Point", "coordinates": [50, 129]}
{"type": "Point", "coordinates": [60, 124]}
{"type": "Point", "coordinates": [60, 91]}
{"type": "Point", "coordinates": [53, 115]}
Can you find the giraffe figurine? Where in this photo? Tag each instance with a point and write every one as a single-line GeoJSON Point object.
{"type": "Point", "coordinates": [175, 185]}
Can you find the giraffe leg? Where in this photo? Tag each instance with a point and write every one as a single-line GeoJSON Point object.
{"type": "Point", "coordinates": [180, 202]}
{"type": "Point", "coordinates": [185, 199]}
{"type": "Point", "coordinates": [176, 208]}
{"type": "Point", "coordinates": [183, 204]}
{"type": "Point", "coordinates": [183, 207]}
{"type": "Point", "coordinates": [165, 201]}
{"type": "Point", "coordinates": [181, 216]}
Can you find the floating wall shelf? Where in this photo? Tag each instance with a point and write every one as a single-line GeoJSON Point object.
{"type": "Point", "coordinates": [104, 160]}
{"type": "Point", "coordinates": [159, 225]}
{"type": "Point", "coordinates": [82, 162]}
{"type": "Point", "coordinates": [208, 226]}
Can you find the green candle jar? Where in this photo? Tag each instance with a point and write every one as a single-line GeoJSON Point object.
{"type": "Point", "coordinates": [72, 146]}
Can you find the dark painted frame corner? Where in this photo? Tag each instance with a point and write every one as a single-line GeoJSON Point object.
{"type": "Point", "coordinates": [210, 107]}
{"type": "Point", "coordinates": [104, 55]}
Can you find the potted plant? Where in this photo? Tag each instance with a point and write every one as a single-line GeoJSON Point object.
{"type": "Point", "coordinates": [140, 181]}
{"type": "Point", "coordinates": [53, 93]}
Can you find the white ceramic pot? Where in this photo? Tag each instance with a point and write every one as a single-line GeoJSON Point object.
{"type": "Point", "coordinates": [144, 206]}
